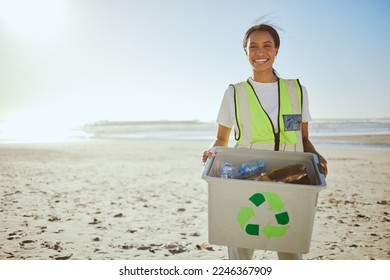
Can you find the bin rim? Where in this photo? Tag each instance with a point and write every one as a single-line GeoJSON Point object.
{"type": "Point", "coordinates": [218, 149]}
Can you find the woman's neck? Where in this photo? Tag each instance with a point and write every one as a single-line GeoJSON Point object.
{"type": "Point", "coordinates": [264, 77]}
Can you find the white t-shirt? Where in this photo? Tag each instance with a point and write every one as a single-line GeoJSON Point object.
{"type": "Point", "coordinates": [268, 96]}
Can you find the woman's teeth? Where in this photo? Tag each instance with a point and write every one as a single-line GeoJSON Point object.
{"type": "Point", "coordinates": [263, 60]}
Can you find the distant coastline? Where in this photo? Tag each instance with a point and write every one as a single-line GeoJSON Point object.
{"type": "Point", "coordinates": [318, 127]}
{"type": "Point", "coordinates": [372, 133]}
{"type": "Point", "coordinates": [153, 122]}
{"type": "Point", "coordinates": [196, 121]}
{"type": "Point", "coordinates": [358, 133]}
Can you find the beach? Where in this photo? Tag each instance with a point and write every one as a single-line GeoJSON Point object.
{"type": "Point", "coordinates": [117, 199]}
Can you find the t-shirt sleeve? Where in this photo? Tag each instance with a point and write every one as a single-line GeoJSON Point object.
{"type": "Point", "coordinates": [306, 117]}
{"type": "Point", "coordinates": [226, 111]}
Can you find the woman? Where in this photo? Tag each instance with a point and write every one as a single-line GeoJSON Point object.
{"type": "Point", "coordinates": [279, 108]}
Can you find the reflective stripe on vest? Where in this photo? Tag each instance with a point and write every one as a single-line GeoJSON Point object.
{"type": "Point", "coordinates": [254, 126]}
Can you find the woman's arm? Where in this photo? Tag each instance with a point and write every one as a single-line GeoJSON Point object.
{"type": "Point", "coordinates": [222, 139]}
{"type": "Point", "coordinates": [309, 147]}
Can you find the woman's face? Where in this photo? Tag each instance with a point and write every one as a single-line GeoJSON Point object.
{"type": "Point", "coordinates": [261, 51]}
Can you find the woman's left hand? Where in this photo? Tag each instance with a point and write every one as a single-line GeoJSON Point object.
{"type": "Point", "coordinates": [324, 164]}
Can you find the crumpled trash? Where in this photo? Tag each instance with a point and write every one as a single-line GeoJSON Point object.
{"type": "Point", "coordinates": [293, 173]}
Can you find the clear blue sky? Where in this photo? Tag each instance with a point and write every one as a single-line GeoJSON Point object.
{"type": "Point", "coordinates": [79, 61]}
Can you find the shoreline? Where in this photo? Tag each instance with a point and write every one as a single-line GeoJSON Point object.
{"type": "Point", "coordinates": [145, 200]}
{"type": "Point", "coordinates": [361, 141]}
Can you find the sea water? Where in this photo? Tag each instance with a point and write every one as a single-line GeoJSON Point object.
{"type": "Point", "coordinates": [206, 131]}
{"type": "Point", "coordinates": [195, 130]}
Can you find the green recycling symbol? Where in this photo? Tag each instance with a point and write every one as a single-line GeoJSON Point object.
{"type": "Point", "coordinates": [275, 205]}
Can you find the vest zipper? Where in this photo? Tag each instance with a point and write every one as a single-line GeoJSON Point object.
{"type": "Point", "coordinates": [236, 137]}
{"type": "Point", "coordinates": [276, 134]}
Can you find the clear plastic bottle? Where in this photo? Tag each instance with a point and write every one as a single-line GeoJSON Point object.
{"type": "Point", "coordinates": [252, 168]}
{"type": "Point", "coordinates": [246, 170]}
{"type": "Point", "coordinates": [226, 171]}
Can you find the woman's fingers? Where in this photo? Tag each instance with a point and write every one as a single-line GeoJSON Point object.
{"type": "Point", "coordinates": [206, 155]}
{"type": "Point", "coordinates": [324, 165]}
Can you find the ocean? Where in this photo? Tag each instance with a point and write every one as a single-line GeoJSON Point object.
{"type": "Point", "coordinates": [323, 132]}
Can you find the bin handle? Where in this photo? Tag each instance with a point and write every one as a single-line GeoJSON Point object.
{"type": "Point", "coordinates": [209, 163]}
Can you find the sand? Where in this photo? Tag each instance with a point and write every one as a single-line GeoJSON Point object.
{"type": "Point", "coordinates": [128, 199]}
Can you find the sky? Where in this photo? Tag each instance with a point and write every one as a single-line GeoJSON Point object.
{"type": "Point", "coordinates": [69, 62]}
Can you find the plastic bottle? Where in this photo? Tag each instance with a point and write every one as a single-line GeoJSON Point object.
{"type": "Point", "coordinates": [226, 171]}
{"type": "Point", "coordinates": [252, 168]}
{"type": "Point", "coordinates": [246, 170]}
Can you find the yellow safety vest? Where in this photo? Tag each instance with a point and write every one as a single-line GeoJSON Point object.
{"type": "Point", "coordinates": [254, 128]}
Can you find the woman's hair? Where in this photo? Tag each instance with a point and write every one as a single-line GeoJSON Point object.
{"type": "Point", "coordinates": [262, 27]}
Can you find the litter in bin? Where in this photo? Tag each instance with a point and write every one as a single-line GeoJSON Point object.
{"type": "Point", "coordinates": [294, 173]}
{"type": "Point", "coordinates": [243, 171]}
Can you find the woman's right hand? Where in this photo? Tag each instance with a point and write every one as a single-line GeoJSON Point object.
{"type": "Point", "coordinates": [206, 155]}
{"type": "Point", "coordinates": [222, 139]}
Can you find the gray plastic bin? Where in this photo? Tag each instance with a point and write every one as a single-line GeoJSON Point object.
{"type": "Point", "coordinates": [262, 215]}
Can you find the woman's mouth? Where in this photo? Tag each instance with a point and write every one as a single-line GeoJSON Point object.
{"type": "Point", "coordinates": [261, 60]}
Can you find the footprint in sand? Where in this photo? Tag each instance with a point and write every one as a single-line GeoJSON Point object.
{"type": "Point", "coordinates": [65, 257]}
{"type": "Point", "coordinates": [205, 246]}
{"type": "Point", "coordinates": [175, 249]}
{"type": "Point", "coordinates": [16, 235]}
{"type": "Point", "coordinates": [27, 244]}
{"type": "Point", "coordinates": [53, 219]}
{"type": "Point", "coordinates": [94, 222]}
{"type": "Point", "coordinates": [50, 245]}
